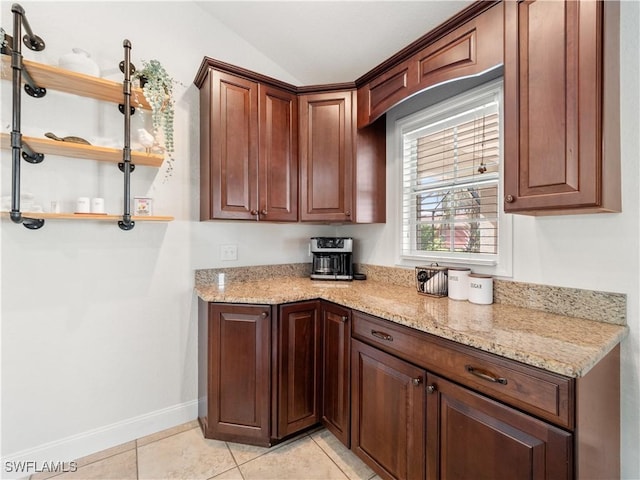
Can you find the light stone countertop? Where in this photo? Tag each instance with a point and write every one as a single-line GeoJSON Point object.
{"type": "Point", "coordinates": [560, 344]}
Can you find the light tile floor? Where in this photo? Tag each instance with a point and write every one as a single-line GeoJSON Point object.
{"type": "Point", "coordinates": [183, 453]}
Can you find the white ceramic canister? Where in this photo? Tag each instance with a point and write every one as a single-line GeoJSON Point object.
{"type": "Point", "coordinates": [97, 205]}
{"type": "Point", "coordinates": [459, 283]}
{"type": "Point", "coordinates": [480, 289]}
{"type": "Point", "coordinates": [83, 205]}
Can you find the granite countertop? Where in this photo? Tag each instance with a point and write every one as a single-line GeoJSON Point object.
{"type": "Point", "coordinates": [565, 345]}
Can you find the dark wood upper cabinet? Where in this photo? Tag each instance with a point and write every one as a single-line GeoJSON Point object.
{"type": "Point", "coordinates": [253, 129]}
{"type": "Point", "coordinates": [342, 169]}
{"type": "Point", "coordinates": [561, 119]}
{"type": "Point", "coordinates": [469, 49]}
{"type": "Point", "coordinates": [297, 368]}
{"type": "Point", "coordinates": [278, 158]}
{"type": "Point", "coordinates": [336, 360]}
{"type": "Point", "coordinates": [228, 147]}
{"type": "Point", "coordinates": [560, 136]}
{"type": "Point", "coordinates": [326, 157]}
{"type": "Point", "coordinates": [248, 150]}
{"type": "Point", "coordinates": [472, 436]}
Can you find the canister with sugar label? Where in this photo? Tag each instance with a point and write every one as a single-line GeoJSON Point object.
{"type": "Point", "coordinates": [459, 283]}
{"type": "Point", "coordinates": [480, 289]}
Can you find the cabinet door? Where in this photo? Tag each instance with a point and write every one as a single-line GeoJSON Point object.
{"type": "Point", "coordinates": [336, 335]}
{"type": "Point", "coordinates": [298, 367]}
{"type": "Point", "coordinates": [471, 436]}
{"type": "Point", "coordinates": [553, 105]}
{"type": "Point", "coordinates": [232, 149]}
{"type": "Point", "coordinates": [470, 49]}
{"type": "Point", "coordinates": [278, 165]}
{"type": "Point", "coordinates": [239, 373]}
{"type": "Point", "coordinates": [388, 413]}
{"type": "Point", "coordinates": [326, 156]}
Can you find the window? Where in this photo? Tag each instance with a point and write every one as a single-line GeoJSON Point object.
{"type": "Point", "coordinates": [451, 188]}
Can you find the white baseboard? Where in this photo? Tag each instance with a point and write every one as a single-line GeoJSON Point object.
{"type": "Point", "coordinates": [92, 441]}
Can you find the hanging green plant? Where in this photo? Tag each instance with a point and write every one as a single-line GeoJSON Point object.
{"type": "Point", "coordinates": [157, 86]}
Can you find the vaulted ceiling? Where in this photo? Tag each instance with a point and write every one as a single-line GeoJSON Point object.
{"type": "Point", "coordinates": [320, 42]}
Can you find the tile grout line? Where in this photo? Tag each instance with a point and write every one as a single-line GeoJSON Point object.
{"type": "Point", "coordinates": [237, 466]}
{"type": "Point", "coordinates": [233, 457]}
{"type": "Point", "coordinates": [163, 438]}
{"type": "Point", "coordinates": [271, 449]}
{"type": "Point", "coordinates": [135, 447]}
{"type": "Point", "coordinates": [329, 457]}
{"type": "Point", "coordinates": [137, 463]}
{"type": "Point", "coordinates": [373, 473]}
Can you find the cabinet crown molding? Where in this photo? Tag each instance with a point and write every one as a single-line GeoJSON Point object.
{"type": "Point", "coordinates": [208, 62]}
{"type": "Point", "coordinates": [457, 20]}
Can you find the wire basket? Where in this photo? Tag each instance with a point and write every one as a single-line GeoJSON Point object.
{"type": "Point", "coordinates": [432, 280]}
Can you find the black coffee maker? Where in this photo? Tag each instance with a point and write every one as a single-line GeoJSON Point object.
{"type": "Point", "coordinates": [332, 258]}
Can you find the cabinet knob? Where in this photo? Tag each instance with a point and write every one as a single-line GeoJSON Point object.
{"type": "Point", "coordinates": [263, 211]}
{"type": "Point", "coordinates": [348, 213]}
{"type": "Point", "coordinates": [344, 319]}
{"type": "Point", "coordinates": [254, 212]}
{"type": "Point", "coordinates": [416, 381]}
{"type": "Point", "coordinates": [431, 389]}
{"type": "Point", "coordinates": [509, 199]}
{"type": "Point", "coordinates": [264, 314]}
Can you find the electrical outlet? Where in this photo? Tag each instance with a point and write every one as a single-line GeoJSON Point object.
{"type": "Point", "coordinates": [228, 252]}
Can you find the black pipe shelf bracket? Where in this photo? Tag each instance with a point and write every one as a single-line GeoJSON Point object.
{"type": "Point", "coordinates": [126, 166]}
{"type": "Point", "coordinates": [18, 147]}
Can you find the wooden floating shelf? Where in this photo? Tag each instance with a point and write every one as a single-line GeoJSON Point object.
{"type": "Point", "coordinates": [56, 78]}
{"type": "Point", "coordinates": [82, 151]}
{"type": "Point", "coordinates": [91, 216]}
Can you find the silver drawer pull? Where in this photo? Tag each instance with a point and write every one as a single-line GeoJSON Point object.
{"type": "Point", "coordinates": [382, 335]}
{"type": "Point", "coordinates": [485, 375]}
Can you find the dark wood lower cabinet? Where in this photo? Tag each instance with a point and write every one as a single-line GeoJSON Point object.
{"type": "Point", "coordinates": [298, 373]}
{"type": "Point", "coordinates": [336, 348]}
{"type": "Point", "coordinates": [472, 436]}
{"type": "Point", "coordinates": [239, 373]}
{"type": "Point", "coordinates": [388, 413]}
{"type": "Point", "coordinates": [404, 400]}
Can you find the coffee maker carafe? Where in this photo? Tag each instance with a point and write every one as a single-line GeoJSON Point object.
{"type": "Point", "coordinates": [332, 258]}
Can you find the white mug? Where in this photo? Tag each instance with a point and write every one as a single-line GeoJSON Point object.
{"type": "Point", "coordinates": [83, 205]}
{"type": "Point", "coordinates": [97, 205]}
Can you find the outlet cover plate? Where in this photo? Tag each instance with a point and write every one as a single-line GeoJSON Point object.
{"type": "Point", "coordinates": [228, 252]}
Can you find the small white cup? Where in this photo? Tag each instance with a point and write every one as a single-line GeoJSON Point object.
{"type": "Point", "coordinates": [83, 205]}
{"type": "Point", "coordinates": [55, 206]}
{"type": "Point", "coordinates": [97, 205]}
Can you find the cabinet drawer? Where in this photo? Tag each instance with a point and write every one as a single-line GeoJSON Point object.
{"type": "Point", "coordinates": [536, 391]}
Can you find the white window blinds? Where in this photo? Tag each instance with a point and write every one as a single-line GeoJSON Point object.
{"type": "Point", "coordinates": [451, 179]}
